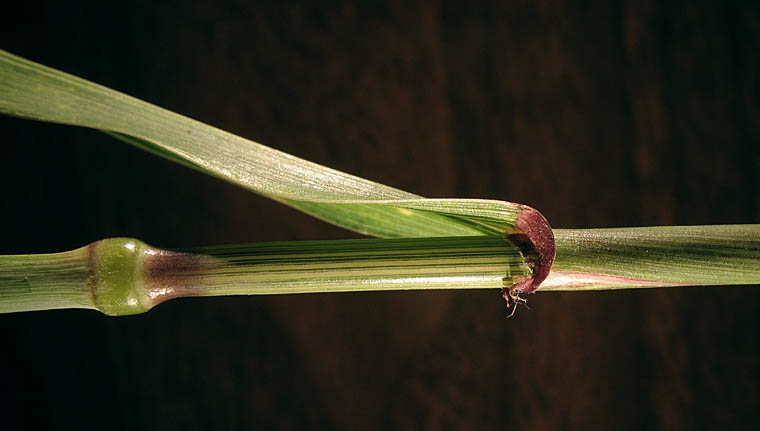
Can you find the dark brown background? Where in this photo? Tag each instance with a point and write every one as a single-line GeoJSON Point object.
{"type": "Point", "coordinates": [597, 114]}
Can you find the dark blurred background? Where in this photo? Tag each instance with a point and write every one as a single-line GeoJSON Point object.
{"type": "Point", "coordinates": [596, 113]}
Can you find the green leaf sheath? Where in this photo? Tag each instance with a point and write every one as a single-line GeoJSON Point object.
{"type": "Point", "coordinates": [30, 90]}
{"type": "Point", "coordinates": [598, 259]}
{"type": "Point", "coordinates": [123, 276]}
{"type": "Point", "coordinates": [351, 265]}
{"type": "Point", "coordinates": [45, 281]}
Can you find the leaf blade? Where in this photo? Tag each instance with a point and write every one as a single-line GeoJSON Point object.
{"type": "Point", "coordinates": [30, 90]}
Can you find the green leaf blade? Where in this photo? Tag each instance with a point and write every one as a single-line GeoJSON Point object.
{"type": "Point", "coordinates": [34, 91]}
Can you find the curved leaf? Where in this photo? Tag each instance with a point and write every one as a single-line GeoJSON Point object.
{"type": "Point", "coordinates": [30, 90]}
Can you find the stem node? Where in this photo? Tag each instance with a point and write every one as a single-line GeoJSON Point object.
{"type": "Point", "coordinates": [116, 280]}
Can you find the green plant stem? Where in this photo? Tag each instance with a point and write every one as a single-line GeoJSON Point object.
{"type": "Point", "coordinates": [123, 276]}
{"type": "Point", "coordinates": [625, 258]}
{"type": "Point", "coordinates": [45, 281]}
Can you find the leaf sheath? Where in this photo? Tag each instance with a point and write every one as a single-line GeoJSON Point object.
{"type": "Point", "coordinates": [123, 276]}
{"type": "Point", "coordinates": [622, 258]}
